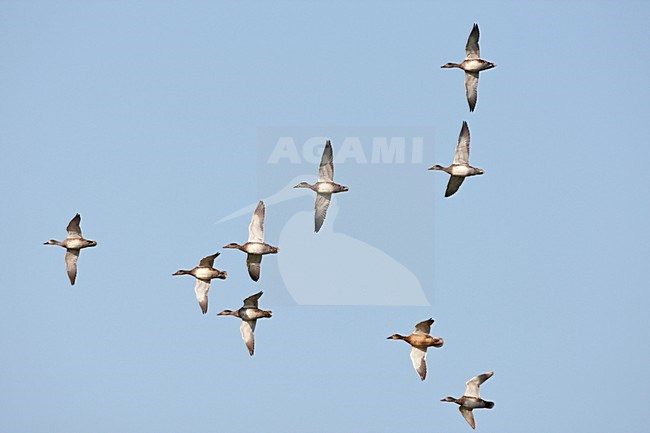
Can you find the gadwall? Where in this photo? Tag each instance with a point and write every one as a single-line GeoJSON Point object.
{"type": "Point", "coordinates": [420, 340]}
{"type": "Point", "coordinates": [203, 273]}
{"type": "Point", "coordinates": [73, 244]}
{"type": "Point", "coordinates": [472, 65]}
{"type": "Point", "coordinates": [325, 186]}
{"type": "Point", "coordinates": [255, 247]}
{"type": "Point", "coordinates": [471, 400]}
{"type": "Point", "coordinates": [248, 314]}
{"type": "Point", "coordinates": [460, 168]}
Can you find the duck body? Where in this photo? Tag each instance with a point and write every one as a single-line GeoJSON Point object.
{"type": "Point", "coordinates": [471, 65]}
{"type": "Point", "coordinates": [252, 313]}
{"type": "Point", "coordinates": [463, 170]}
{"type": "Point", "coordinates": [258, 248]}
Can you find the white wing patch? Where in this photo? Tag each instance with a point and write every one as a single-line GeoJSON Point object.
{"type": "Point", "coordinates": [256, 226]}
{"type": "Point", "coordinates": [201, 289]}
{"type": "Point", "coordinates": [326, 169]}
{"type": "Point", "coordinates": [471, 89]}
{"type": "Point", "coordinates": [419, 359]}
{"type": "Point", "coordinates": [247, 328]}
{"type": "Point", "coordinates": [320, 209]}
{"type": "Point", "coordinates": [472, 385]}
{"type": "Point", "coordinates": [71, 257]}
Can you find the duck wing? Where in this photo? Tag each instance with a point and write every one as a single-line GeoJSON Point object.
{"type": "Point", "coordinates": [253, 300]}
{"type": "Point", "coordinates": [254, 264]}
{"type": "Point", "coordinates": [423, 327]}
{"type": "Point", "coordinates": [472, 50]}
{"type": "Point", "coordinates": [208, 261]}
{"type": "Point", "coordinates": [419, 359]}
{"type": "Point", "coordinates": [256, 226]}
{"type": "Point", "coordinates": [326, 169]}
{"type": "Point", "coordinates": [73, 229]}
{"type": "Point", "coordinates": [471, 89]}
{"type": "Point", "coordinates": [472, 385]}
{"type": "Point", "coordinates": [201, 289]}
{"type": "Point", "coordinates": [452, 186]}
{"type": "Point", "coordinates": [468, 415]}
{"type": "Point", "coordinates": [320, 209]}
{"type": "Point", "coordinates": [247, 328]}
{"type": "Point", "coordinates": [71, 256]}
{"type": "Point", "coordinates": [461, 156]}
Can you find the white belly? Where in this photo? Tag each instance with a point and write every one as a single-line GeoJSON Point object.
{"type": "Point", "coordinates": [256, 248]}
{"type": "Point", "coordinates": [473, 404]}
{"type": "Point", "coordinates": [473, 66]}
{"type": "Point", "coordinates": [324, 187]}
{"type": "Point", "coordinates": [204, 273]}
{"type": "Point", "coordinates": [460, 170]}
{"type": "Point", "coordinates": [75, 243]}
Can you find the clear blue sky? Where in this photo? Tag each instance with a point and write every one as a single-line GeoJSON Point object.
{"type": "Point", "coordinates": [149, 119]}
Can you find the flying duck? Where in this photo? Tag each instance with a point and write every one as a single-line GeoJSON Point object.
{"type": "Point", "coordinates": [73, 245]}
{"type": "Point", "coordinates": [203, 273]}
{"type": "Point", "coordinates": [325, 186]}
{"type": "Point", "coordinates": [471, 400]}
{"type": "Point", "coordinates": [420, 340]}
{"type": "Point", "coordinates": [460, 168]}
{"type": "Point", "coordinates": [255, 247]}
{"type": "Point", "coordinates": [472, 65]}
{"type": "Point", "coordinates": [248, 314]}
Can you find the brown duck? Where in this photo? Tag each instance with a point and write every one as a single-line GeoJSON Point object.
{"type": "Point", "coordinates": [420, 340]}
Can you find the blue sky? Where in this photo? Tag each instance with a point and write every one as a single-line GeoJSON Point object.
{"type": "Point", "coordinates": [151, 119]}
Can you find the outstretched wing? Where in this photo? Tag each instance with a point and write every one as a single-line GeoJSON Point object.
{"type": "Point", "coordinates": [256, 226]}
{"type": "Point", "coordinates": [462, 147]}
{"type": "Point", "coordinates": [471, 89]}
{"type": "Point", "coordinates": [468, 415]}
{"type": "Point", "coordinates": [208, 261]}
{"type": "Point", "coordinates": [73, 229]}
{"type": "Point", "coordinates": [253, 300]}
{"type": "Point", "coordinates": [423, 327]}
{"type": "Point", "coordinates": [472, 50]}
{"type": "Point", "coordinates": [472, 385]}
{"type": "Point", "coordinates": [254, 264]}
{"type": "Point", "coordinates": [247, 328]}
{"type": "Point", "coordinates": [452, 186]}
{"type": "Point", "coordinates": [71, 257]}
{"type": "Point", "coordinates": [320, 209]}
{"type": "Point", "coordinates": [201, 289]}
{"type": "Point", "coordinates": [326, 169]}
{"type": "Point", "coordinates": [419, 359]}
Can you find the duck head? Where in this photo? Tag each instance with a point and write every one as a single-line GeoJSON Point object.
{"type": "Point", "coordinates": [303, 185]}
{"type": "Point", "coordinates": [480, 171]}
{"type": "Point", "coordinates": [344, 188]}
{"type": "Point", "coordinates": [449, 399]}
{"type": "Point", "coordinates": [450, 65]}
{"type": "Point", "coordinates": [180, 272]}
{"type": "Point", "coordinates": [92, 243]}
{"type": "Point", "coordinates": [233, 245]}
{"type": "Point", "coordinates": [228, 313]}
{"type": "Point", "coordinates": [396, 337]}
{"type": "Point", "coordinates": [52, 242]}
{"type": "Point", "coordinates": [437, 167]}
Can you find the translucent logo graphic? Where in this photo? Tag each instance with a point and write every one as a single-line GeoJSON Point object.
{"type": "Point", "coordinates": [344, 263]}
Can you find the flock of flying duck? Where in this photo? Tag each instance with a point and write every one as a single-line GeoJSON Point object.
{"type": "Point", "coordinates": [255, 248]}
